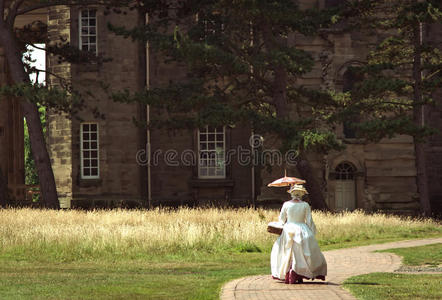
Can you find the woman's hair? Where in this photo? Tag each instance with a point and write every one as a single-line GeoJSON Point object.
{"type": "Point", "coordinates": [296, 194]}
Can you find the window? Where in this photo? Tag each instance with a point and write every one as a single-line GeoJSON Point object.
{"type": "Point", "coordinates": [210, 28]}
{"type": "Point", "coordinates": [211, 149]}
{"type": "Point", "coordinates": [345, 171]}
{"type": "Point", "coordinates": [350, 79]}
{"type": "Point", "coordinates": [88, 30]}
{"type": "Point", "coordinates": [89, 151]}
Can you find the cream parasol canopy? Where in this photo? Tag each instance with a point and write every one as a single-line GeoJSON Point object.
{"type": "Point", "coordinates": [286, 181]}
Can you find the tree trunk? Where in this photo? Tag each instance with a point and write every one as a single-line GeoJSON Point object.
{"type": "Point", "coordinates": [282, 111]}
{"type": "Point", "coordinates": [419, 119]}
{"type": "Point", "coordinates": [3, 190]}
{"type": "Point", "coordinates": [314, 189]}
{"type": "Point", "coordinates": [30, 111]}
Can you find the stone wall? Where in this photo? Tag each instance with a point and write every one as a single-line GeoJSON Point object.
{"type": "Point", "coordinates": [175, 182]}
{"type": "Point", "coordinates": [121, 179]}
{"type": "Point", "coordinates": [59, 126]}
{"type": "Point", "coordinates": [385, 177]}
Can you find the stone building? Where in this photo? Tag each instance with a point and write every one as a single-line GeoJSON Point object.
{"type": "Point", "coordinates": [101, 162]}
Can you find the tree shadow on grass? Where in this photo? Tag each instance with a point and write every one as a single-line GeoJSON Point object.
{"type": "Point", "coordinates": [362, 283]}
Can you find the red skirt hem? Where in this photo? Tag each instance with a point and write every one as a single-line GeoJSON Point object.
{"type": "Point", "coordinates": [292, 277]}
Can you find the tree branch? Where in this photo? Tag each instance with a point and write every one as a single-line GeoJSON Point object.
{"type": "Point", "coordinates": [64, 2]}
{"type": "Point", "coordinates": [2, 10]}
{"type": "Point", "coordinates": [12, 13]}
{"type": "Point", "coordinates": [38, 6]}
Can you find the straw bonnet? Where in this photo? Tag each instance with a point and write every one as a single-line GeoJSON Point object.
{"type": "Point", "coordinates": [297, 189]}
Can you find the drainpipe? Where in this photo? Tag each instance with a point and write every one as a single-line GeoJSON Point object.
{"type": "Point", "coordinates": [148, 151]}
{"type": "Point", "coordinates": [253, 170]}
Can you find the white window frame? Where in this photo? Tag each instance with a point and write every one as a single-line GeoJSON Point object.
{"type": "Point", "coordinates": [209, 157]}
{"type": "Point", "coordinates": [82, 150]}
{"type": "Point", "coordinates": [80, 29]}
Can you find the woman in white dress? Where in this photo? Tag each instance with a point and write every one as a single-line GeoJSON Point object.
{"type": "Point", "coordinates": [296, 255]}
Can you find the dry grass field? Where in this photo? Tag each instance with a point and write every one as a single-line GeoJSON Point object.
{"type": "Point", "coordinates": [72, 235]}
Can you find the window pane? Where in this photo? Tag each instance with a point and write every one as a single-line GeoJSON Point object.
{"type": "Point", "coordinates": [93, 136]}
{"type": "Point", "coordinates": [92, 39]}
{"type": "Point", "coordinates": [85, 136]}
{"type": "Point", "coordinates": [87, 172]}
{"type": "Point", "coordinates": [94, 171]}
{"type": "Point", "coordinates": [203, 172]}
{"type": "Point", "coordinates": [211, 137]}
{"type": "Point", "coordinates": [203, 155]}
{"type": "Point", "coordinates": [203, 137]}
{"type": "Point", "coordinates": [86, 127]}
{"type": "Point", "coordinates": [86, 154]}
{"type": "Point", "coordinates": [87, 163]}
{"type": "Point", "coordinates": [86, 145]}
{"type": "Point", "coordinates": [94, 163]}
{"type": "Point", "coordinates": [94, 154]}
{"type": "Point", "coordinates": [93, 127]}
{"type": "Point", "coordinates": [211, 172]}
{"type": "Point", "coordinates": [94, 145]}
{"type": "Point", "coordinates": [92, 13]}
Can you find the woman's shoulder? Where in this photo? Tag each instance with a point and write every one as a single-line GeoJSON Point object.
{"type": "Point", "coordinates": [288, 203]}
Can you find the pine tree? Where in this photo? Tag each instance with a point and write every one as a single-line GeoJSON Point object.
{"type": "Point", "coordinates": [400, 77]}
{"type": "Point", "coordinates": [242, 68]}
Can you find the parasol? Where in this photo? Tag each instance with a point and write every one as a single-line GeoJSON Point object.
{"type": "Point", "coordinates": [286, 181]}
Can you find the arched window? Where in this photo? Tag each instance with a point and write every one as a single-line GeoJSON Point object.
{"type": "Point", "coordinates": [345, 186]}
{"type": "Point", "coordinates": [345, 171]}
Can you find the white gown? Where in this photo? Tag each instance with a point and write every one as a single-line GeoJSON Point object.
{"type": "Point", "coordinates": [296, 248]}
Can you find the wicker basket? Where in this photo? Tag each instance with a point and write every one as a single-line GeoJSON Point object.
{"type": "Point", "coordinates": [273, 228]}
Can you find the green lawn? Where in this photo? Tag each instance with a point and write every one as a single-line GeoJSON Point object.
{"type": "Point", "coordinates": [395, 286]}
{"type": "Point", "coordinates": [144, 279]}
{"type": "Point", "coordinates": [430, 255]}
{"type": "Point", "coordinates": [402, 286]}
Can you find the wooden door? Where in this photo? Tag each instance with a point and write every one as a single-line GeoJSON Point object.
{"type": "Point", "coordinates": [345, 195]}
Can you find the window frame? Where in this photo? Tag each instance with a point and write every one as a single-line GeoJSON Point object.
{"type": "Point", "coordinates": [345, 171]}
{"type": "Point", "coordinates": [82, 158]}
{"type": "Point", "coordinates": [224, 167]}
{"type": "Point", "coordinates": [80, 27]}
